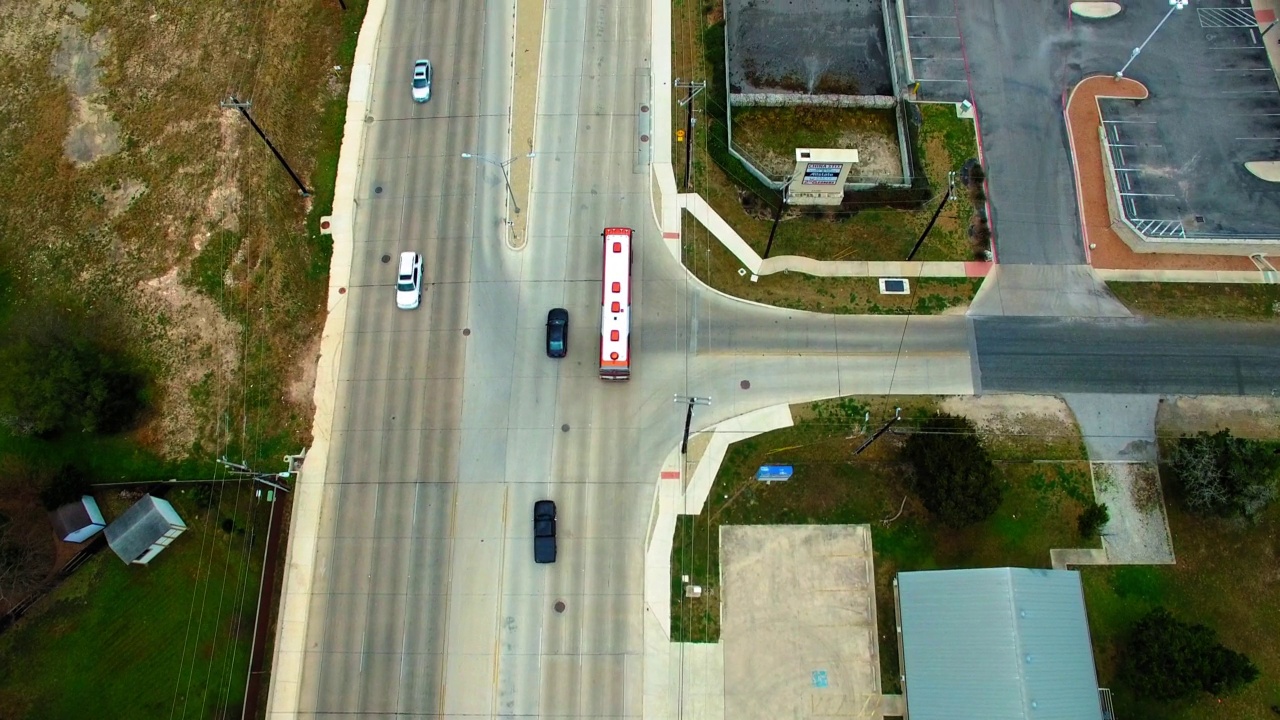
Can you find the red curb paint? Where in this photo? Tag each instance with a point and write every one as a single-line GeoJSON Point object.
{"type": "Point", "coordinates": [670, 474]}
{"type": "Point", "coordinates": [670, 236]}
{"type": "Point", "coordinates": [1265, 16]}
{"type": "Point", "coordinates": [975, 268]}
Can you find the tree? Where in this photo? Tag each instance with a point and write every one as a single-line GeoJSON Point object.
{"type": "Point", "coordinates": [58, 381]}
{"type": "Point", "coordinates": [1224, 475]}
{"type": "Point", "coordinates": [65, 486]}
{"type": "Point", "coordinates": [1092, 518]}
{"type": "Point", "coordinates": [1168, 659]}
{"type": "Point", "coordinates": [25, 559]}
{"type": "Point", "coordinates": [953, 476]}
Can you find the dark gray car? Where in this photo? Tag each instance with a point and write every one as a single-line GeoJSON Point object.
{"type": "Point", "coordinates": [544, 531]}
{"type": "Point", "coordinates": [557, 333]}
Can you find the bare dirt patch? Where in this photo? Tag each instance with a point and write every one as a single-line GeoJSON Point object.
{"type": "Point", "coordinates": [202, 348]}
{"type": "Point", "coordinates": [1252, 417]}
{"type": "Point", "coordinates": [95, 133]}
{"type": "Point", "coordinates": [1013, 413]}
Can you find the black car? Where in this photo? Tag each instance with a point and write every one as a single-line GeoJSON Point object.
{"type": "Point", "coordinates": [544, 531]}
{"type": "Point", "coordinates": [557, 333]}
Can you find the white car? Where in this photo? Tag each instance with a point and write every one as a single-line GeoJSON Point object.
{"type": "Point", "coordinates": [422, 81]}
{"type": "Point", "coordinates": [409, 281]}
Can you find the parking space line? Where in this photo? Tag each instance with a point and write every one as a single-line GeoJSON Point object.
{"type": "Point", "coordinates": [1249, 92]}
{"type": "Point", "coordinates": [934, 37]}
{"type": "Point", "coordinates": [1259, 138]}
{"type": "Point", "coordinates": [1257, 69]}
{"type": "Point", "coordinates": [1134, 194]}
{"type": "Point", "coordinates": [1226, 17]}
{"type": "Point", "coordinates": [1132, 122]}
{"type": "Point", "coordinates": [925, 80]}
{"type": "Point", "coordinates": [937, 58]}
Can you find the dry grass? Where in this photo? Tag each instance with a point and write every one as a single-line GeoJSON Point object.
{"type": "Point", "coordinates": [123, 167]}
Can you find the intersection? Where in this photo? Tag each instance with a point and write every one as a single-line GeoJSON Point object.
{"type": "Point", "coordinates": [449, 422]}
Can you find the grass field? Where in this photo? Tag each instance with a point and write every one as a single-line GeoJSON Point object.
{"type": "Point", "coordinates": [167, 640]}
{"type": "Point", "coordinates": [1224, 576]}
{"type": "Point", "coordinates": [132, 196]}
{"type": "Point", "coordinates": [1046, 484]}
{"type": "Point", "coordinates": [131, 193]}
{"type": "Point", "coordinates": [1200, 300]}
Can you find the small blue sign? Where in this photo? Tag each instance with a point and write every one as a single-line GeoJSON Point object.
{"type": "Point", "coordinates": [819, 678]}
{"type": "Point", "coordinates": [773, 473]}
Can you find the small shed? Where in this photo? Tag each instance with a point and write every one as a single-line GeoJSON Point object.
{"type": "Point", "coordinates": [78, 521]}
{"type": "Point", "coordinates": [145, 529]}
{"type": "Point", "coordinates": [996, 644]}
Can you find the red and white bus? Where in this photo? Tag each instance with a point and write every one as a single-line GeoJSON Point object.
{"type": "Point", "coordinates": [615, 307]}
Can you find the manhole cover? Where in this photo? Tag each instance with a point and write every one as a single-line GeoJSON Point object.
{"type": "Point", "coordinates": [386, 258]}
{"type": "Point", "coordinates": [564, 427]}
{"type": "Point", "coordinates": [324, 224]}
{"type": "Point", "coordinates": [745, 384]}
{"type": "Point", "coordinates": [644, 138]}
{"type": "Point", "coordinates": [644, 108]}
{"type": "Point", "coordinates": [466, 331]}
{"type": "Point", "coordinates": [559, 606]}
{"type": "Point", "coordinates": [342, 291]}
{"type": "Point", "coordinates": [377, 190]}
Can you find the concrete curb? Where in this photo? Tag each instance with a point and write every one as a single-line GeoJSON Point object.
{"type": "Point", "coordinates": [308, 493]}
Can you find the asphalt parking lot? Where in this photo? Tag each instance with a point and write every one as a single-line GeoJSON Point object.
{"type": "Point", "coordinates": [1179, 155]}
{"type": "Point", "coordinates": [936, 50]}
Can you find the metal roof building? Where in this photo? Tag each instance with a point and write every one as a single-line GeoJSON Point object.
{"type": "Point", "coordinates": [996, 644]}
{"type": "Point", "coordinates": [145, 529]}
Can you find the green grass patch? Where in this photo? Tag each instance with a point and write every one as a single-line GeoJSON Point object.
{"type": "Point", "coordinates": [711, 262]}
{"type": "Point", "coordinates": [169, 639]}
{"type": "Point", "coordinates": [1200, 300]}
{"type": "Point", "coordinates": [832, 486]}
{"type": "Point", "coordinates": [1224, 579]}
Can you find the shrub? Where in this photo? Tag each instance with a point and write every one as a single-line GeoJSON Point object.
{"type": "Point", "coordinates": [954, 477]}
{"type": "Point", "coordinates": [65, 486]}
{"type": "Point", "coordinates": [1167, 659]}
{"type": "Point", "coordinates": [1091, 520]}
{"type": "Point", "coordinates": [1224, 475]}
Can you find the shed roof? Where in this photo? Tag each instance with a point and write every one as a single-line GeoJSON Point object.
{"type": "Point", "coordinates": [76, 516]}
{"type": "Point", "coordinates": [140, 526]}
{"type": "Point", "coordinates": [997, 644]}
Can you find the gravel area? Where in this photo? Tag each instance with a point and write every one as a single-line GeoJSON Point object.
{"type": "Point", "coordinates": [1138, 532]}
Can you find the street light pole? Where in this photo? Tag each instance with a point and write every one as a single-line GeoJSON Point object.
{"type": "Point", "coordinates": [1173, 5]}
{"type": "Point", "coordinates": [503, 167]}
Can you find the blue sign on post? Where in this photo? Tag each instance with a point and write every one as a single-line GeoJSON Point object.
{"type": "Point", "coordinates": [773, 473]}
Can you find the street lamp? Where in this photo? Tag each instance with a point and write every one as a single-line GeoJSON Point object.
{"type": "Point", "coordinates": [503, 167]}
{"type": "Point", "coordinates": [1173, 5]}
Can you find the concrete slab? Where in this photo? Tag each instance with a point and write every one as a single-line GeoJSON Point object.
{"type": "Point", "coordinates": [1045, 291]}
{"type": "Point", "coordinates": [1116, 427]}
{"type": "Point", "coordinates": [798, 622]}
{"type": "Point", "coordinates": [1095, 10]}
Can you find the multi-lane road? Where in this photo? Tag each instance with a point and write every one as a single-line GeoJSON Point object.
{"type": "Point", "coordinates": [450, 420]}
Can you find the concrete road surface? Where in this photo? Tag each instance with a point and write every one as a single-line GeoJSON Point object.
{"type": "Point", "coordinates": [451, 421]}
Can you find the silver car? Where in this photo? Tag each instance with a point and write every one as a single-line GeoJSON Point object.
{"type": "Point", "coordinates": [422, 81]}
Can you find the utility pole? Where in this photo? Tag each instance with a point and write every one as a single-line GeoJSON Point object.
{"type": "Point", "coordinates": [1174, 5]}
{"type": "Point", "coordinates": [688, 416]}
{"type": "Point", "coordinates": [694, 89]}
{"type": "Point", "coordinates": [243, 107]}
{"type": "Point", "coordinates": [897, 415]}
{"type": "Point", "coordinates": [777, 216]}
{"type": "Point", "coordinates": [951, 183]}
{"type": "Point", "coordinates": [257, 647]}
{"type": "Point", "coordinates": [501, 165]}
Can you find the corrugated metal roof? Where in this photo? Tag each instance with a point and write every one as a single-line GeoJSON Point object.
{"type": "Point", "coordinates": [140, 526]}
{"type": "Point", "coordinates": [997, 644]}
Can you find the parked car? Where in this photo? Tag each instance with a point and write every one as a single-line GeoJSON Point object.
{"type": "Point", "coordinates": [409, 281]}
{"type": "Point", "coordinates": [557, 333]}
{"type": "Point", "coordinates": [544, 531]}
{"type": "Point", "coordinates": [422, 81]}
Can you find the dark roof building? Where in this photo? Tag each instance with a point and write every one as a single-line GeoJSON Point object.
{"type": "Point", "coordinates": [78, 521]}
